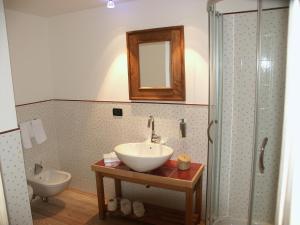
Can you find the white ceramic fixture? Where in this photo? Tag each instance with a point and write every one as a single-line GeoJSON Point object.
{"type": "Point", "coordinates": [49, 182]}
{"type": "Point", "coordinates": [143, 157]}
{"type": "Point", "coordinates": [30, 192]}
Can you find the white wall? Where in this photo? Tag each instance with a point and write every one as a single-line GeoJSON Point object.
{"type": "Point", "coordinates": [11, 157]}
{"type": "Point", "coordinates": [89, 47]}
{"type": "Point", "coordinates": [29, 52]}
{"type": "Point", "coordinates": [288, 202]}
{"type": "Point", "coordinates": [7, 104]}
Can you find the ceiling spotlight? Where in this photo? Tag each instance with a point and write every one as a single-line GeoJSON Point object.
{"type": "Point", "coordinates": [110, 4]}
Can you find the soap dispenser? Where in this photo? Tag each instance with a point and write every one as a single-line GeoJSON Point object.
{"type": "Point", "coordinates": [183, 160]}
{"type": "Point", "coordinates": [182, 127]}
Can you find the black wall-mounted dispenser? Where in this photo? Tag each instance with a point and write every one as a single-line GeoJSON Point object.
{"type": "Point", "coordinates": [182, 127]}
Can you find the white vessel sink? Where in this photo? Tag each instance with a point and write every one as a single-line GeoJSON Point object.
{"type": "Point", "coordinates": [143, 157]}
{"type": "Point", "coordinates": [49, 182]}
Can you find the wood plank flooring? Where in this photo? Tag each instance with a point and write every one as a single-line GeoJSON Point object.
{"type": "Point", "coordinates": [72, 207]}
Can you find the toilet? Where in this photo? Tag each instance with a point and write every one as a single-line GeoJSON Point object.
{"type": "Point", "coordinates": [30, 192]}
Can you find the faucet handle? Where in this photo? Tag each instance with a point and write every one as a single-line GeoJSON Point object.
{"type": "Point", "coordinates": [156, 139]}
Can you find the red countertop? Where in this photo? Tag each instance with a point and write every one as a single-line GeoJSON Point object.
{"type": "Point", "coordinates": [169, 170]}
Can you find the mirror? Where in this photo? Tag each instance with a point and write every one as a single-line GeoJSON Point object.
{"type": "Point", "coordinates": [156, 64]}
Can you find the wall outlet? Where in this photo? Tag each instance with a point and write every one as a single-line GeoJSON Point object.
{"type": "Point", "coordinates": [117, 112]}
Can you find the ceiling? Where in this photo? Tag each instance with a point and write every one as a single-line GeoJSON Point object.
{"type": "Point", "coordinates": [48, 8]}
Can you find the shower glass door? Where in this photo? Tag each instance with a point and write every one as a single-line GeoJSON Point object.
{"type": "Point", "coordinates": [271, 62]}
{"type": "Point", "coordinates": [213, 130]}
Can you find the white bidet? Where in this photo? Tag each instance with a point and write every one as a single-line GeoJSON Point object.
{"type": "Point", "coordinates": [49, 182]}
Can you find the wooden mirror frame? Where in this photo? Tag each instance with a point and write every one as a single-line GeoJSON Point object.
{"type": "Point", "coordinates": [176, 37]}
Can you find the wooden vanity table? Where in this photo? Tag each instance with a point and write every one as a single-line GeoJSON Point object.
{"type": "Point", "coordinates": [167, 177]}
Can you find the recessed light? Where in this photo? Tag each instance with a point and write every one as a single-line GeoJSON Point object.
{"type": "Point", "coordinates": [110, 4]}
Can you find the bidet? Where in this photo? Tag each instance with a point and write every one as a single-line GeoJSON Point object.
{"type": "Point", "coordinates": [49, 182]}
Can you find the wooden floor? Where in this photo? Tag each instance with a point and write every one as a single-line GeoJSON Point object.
{"type": "Point", "coordinates": [71, 207]}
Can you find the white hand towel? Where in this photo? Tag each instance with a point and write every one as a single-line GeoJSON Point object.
{"type": "Point", "coordinates": [38, 131]}
{"type": "Point", "coordinates": [111, 158]}
{"type": "Point", "coordinates": [112, 205]}
{"type": "Point", "coordinates": [26, 134]}
{"type": "Point", "coordinates": [138, 209]}
{"type": "Point", "coordinates": [125, 206]}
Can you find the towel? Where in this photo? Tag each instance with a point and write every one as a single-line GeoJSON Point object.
{"type": "Point", "coordinates": [38, 131]}
{"type": "Point", "coordinates": [125, 205]}
{"type": "Point", "coordinates": [26, 134]}
{"type": "Point", "coordinates": [138, 209]}
{"type": "Point", "coordinates": [111, 159]}
{"type": "Point", "coordinates": [112, 205]}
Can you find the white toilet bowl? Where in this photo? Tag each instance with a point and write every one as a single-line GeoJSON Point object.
{"type": "Point", "coordinates": [49, 182]}
{"type": "Point", "coordinates": [30, 192]}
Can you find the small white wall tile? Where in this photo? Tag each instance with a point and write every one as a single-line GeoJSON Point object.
{"type": "Point", "coordinates": [239, 84]}
{"type": "Point", "coordinates": [80, 132]}
{"type": "Point", "coordinates": [14, 179]}
{"type": "Point", "coordinates": [87, 130]}
{"type": "Point", "coordinates": [47, 151]}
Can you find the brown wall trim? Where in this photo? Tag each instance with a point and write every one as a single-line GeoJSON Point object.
{"type": "Point", "coordinates": [113, 102]}
{"type": "Point", "coordinates": [8, 131]}
{"type": "Point", "coordinates": [129, 102]}
{"type": "Point", "coordinates": [31, 103]}
{"type": "Point", "coordinates": [249, 11]}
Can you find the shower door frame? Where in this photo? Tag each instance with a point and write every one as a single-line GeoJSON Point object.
{"type": "Point", "coordinates": [214, 112]}
{"type": "Point", "coordinates": [255, 138]}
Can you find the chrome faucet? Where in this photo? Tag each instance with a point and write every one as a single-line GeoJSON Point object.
{"type": "Point", "coordinates": [37, 168]}
{"type": "Point", "coordinates": [154, 137]}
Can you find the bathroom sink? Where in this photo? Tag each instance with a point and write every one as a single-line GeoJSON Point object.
{"type": "Point", "coordinates": [143, 157]}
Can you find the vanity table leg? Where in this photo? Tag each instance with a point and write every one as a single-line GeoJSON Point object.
{"type": "Point", "coordinates": [198, 207]}
{"type": "Point", "coordinates": [100, 193]}
{"type": "Point", "coordinates": [118, 188]}
{"type": "Point", "coordinates": [188, 207]}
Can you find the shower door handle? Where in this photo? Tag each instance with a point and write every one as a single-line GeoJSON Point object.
{"type": "Point", "coordinates": [208, 130]}
{"type": "Point", "coordinates": [262, 155]}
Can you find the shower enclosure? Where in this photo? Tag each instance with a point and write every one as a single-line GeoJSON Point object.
{"type": "Point", "coordinates": [247, 84]}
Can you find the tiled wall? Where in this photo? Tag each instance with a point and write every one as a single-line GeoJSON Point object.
{"type": "Point", "coordinates": [270, 110]}
{"type": "Point", "coordinates": [239, 74]}
{"type": "Point", "coordinates": [80, 132]}
{"type": "Point", "coordinates": [47, 152]}
{"type": "Point", "coordinates": [243, 113]}
{"type": "Point", "coordinates": [228, 77]}
{"type": "Point", "coordinates": [14, 179]}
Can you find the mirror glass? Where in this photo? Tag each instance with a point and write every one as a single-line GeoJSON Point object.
{"type": "Point", "coordinates": [155, 64]}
